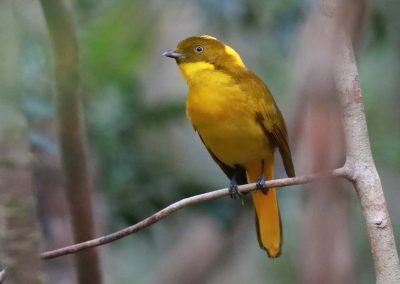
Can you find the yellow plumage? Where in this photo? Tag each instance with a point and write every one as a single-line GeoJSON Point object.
{"type": "Point", "coordinates": [238, 121]}
{"type": "Point", "coordinates": [225, 117]}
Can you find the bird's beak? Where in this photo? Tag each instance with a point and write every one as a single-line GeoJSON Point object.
{"type": "Point", "coordinates": [172, 54]}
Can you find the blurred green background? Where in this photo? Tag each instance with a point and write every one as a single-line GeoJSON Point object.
{"type": "Point", "coordinates": [144, 153]}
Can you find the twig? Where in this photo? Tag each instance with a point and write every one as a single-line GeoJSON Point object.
{"type": "Point", "coordinates": [337, 173]}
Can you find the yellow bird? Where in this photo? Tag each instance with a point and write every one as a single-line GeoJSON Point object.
{"type": "Point", "coordinates": [239, 122]}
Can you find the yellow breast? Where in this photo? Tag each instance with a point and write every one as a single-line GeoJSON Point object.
{"type": "Point", "coordinates": [224, 116]}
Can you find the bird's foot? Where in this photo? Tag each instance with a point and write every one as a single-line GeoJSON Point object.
{"type": "Point", "coordinates": [234, 190]}
{"type": "Point", "coordinates": [261, 185]}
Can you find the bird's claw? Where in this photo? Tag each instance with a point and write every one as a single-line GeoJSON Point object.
{"type": "Point", "coordinates": [234, 191]}
{"type": "Point", "coordinates": [261, 185]}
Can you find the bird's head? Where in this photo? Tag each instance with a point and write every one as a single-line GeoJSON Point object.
{"type": "Point", "coordinates": [198, 53]}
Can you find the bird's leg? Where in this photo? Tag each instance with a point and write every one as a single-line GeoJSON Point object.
{"type": "Point", "coordinates": [233, 188]}
{"type": "Point", "coordinates": [261, 180]}
{"type": "Point", "coordinates": [261, 184]}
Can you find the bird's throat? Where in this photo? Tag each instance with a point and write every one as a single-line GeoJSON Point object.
{"type": "Point", "coordinates": [190, 71]}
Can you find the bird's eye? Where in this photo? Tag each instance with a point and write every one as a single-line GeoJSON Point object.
{"type": "Point", "coordinates": [199, 49]}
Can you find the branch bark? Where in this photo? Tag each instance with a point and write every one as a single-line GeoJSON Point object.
{"type": "Point", "coordinates": [359, 160]}
{"type": "Point", "coordinates": [365, 177]}
{"type": "Point", "coordinates": [337, 173]}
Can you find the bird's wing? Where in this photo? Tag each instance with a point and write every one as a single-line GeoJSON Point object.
{"type": "Point", "coordinates": [271, 121]}
{"type": "Point", "coordinates": [278, 134]}
{"type": "Point", "coordinates": [238, 172]}
{"type": "Point", "coordinates": [269, 117]}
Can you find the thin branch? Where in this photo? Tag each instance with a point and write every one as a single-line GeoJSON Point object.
{"type": "Point", "coordinates": [337, 173]}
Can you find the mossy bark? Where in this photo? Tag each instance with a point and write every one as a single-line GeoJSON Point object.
{"type": "Point", "coordinates": [19, 232]}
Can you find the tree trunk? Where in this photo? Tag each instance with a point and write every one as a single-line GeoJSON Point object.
{"type": "Point", "coordinates": [19, 233]}
{"type": "Point", "coordinates": [325, 250]}
{"type": "Point", "coordinates": [359, 161]}
{"type": "Point", "coordinates": [78, 184]}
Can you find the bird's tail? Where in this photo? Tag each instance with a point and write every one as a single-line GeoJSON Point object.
{"type": "Point", "coordinates": [268, 219]}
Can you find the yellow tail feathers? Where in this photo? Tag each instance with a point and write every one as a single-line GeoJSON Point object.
{"type": "Point", "coordinates": [268, 219]}
{"type": "Point", "coordinates": [268, 222]}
